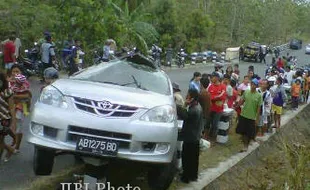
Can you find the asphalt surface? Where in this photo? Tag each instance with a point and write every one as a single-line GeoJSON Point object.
{"type": "Point", "coordinates": [18, 173]}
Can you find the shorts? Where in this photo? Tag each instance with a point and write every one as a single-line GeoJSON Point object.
{"type": "Point", "coordinates": [263, 120]}
{"type": "Point", "coordinates": [276, 109]}
{"type": "Point", "coordinates": [246, 127]}
{"type": "Point", "coordinates": [19, 121]}
{"type": "Point", "coordinates": [8, 66]}
{"type": "Point", "coordinates": [19, 126]}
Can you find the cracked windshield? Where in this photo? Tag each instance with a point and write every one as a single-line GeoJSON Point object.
{"type": "Point", "coordinates": [154, 94]}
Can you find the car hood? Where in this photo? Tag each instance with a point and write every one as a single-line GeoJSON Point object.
{"type": "Point", "coordinates": [113, 93]}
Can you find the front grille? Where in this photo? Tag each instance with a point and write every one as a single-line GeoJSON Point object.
{"type": "Point", "coordinates": [104, 108]}
{"type": "Point", "coordinates": [75, 132]}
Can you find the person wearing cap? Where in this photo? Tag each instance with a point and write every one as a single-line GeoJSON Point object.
{"type": "Point", "coordinates": [250, 114]}
{"type": "Point", "coordinates": [217, 92]}
{"type": "Point", "coordinates": [195, 82]}
{"type": "Point", "coordinates": [279, 97]}
{"type": "Point", "coordinates": [177, 94]}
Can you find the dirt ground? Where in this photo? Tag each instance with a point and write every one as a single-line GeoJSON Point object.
{"type": "Point", "coordinates": [281, 162]}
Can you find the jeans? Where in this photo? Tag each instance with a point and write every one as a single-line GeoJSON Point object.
{"type": "Point", "coordinates": [215, 119]}
{"type": "Point", "coordinates": [8, 66]}
{"type": "Point", "coordinates": [295, 100]}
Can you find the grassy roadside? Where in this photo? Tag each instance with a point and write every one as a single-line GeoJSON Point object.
{"type": "Point", "coordinates": [52, 182]}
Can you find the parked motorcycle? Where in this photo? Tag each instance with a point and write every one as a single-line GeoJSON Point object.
{"type": "Point", "coordinates": [181, 58]}
{"type": "Point", "coordinates": [194, 58]}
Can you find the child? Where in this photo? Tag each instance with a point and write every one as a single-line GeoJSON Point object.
{"type": "Point", "coordinates": [295, 92]}
{"type": "Point", "coordinates": [4, 131]}
{"type": "Point", "coordinates": [21, 86]}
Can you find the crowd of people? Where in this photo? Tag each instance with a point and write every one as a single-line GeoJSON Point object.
{"type": "Point", "coordinates": [15, 93]}
{"type": "Point", "coordinates": [257, 101]}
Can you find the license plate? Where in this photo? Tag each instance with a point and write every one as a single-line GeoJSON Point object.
{"type": "Point", "coordinates": [97, 146]}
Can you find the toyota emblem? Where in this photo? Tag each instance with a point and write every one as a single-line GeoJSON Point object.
{"type": "Point", "coordinates": [105, 105]}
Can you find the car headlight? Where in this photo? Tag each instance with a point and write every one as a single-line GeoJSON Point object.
{"type": "Point", "coordinates": [51, 96]}
{"type": "Point", "coordinates": [161, 114]}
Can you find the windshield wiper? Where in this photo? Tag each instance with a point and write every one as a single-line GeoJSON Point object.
{"type": "Point", "coordinates": [138, 85]}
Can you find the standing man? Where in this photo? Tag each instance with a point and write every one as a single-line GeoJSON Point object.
{"type": "Point", "coordinates": [9, 53]}
{"type": "Point", "coordinates": [191, 133]}
{"type": "Point", "coordinates": [217, 92]}
{"type": "Point", "coordinates": [47, 54]}
{"type": "Point", "coordinates": [265, 108]}
{"type": "Point", "coordinates": [250, 114]}
{"type": "Point", "coordinates": [279, 99]}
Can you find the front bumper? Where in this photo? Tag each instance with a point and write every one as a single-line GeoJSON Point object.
{"type": "Point", "coordinates": [132, 133]}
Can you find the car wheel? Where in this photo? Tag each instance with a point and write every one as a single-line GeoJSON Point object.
{"type": "Point", "coordinates": [43, 161]}
{"type": "Point", "coordinates": [160, 177]}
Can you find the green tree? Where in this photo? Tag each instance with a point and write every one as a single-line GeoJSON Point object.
{"type": "Point", "coordinates": [135, 31]}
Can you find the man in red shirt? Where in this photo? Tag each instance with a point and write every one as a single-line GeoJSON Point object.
{"type": "Point", "coordinates": [217, 91]}
{"type": "Point", "coordinates": [9, 53]}
{"type": "Point", "coordinates": [280, 63]}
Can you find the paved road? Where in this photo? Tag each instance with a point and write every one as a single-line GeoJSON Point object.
{"type": "Point", "coordinates": [17, 173]}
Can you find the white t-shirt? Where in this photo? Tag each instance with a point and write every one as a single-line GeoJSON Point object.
{"type": "Point", "coordinates": [289, 76]}
{"type": "Point", "coordinates": [17, 43]}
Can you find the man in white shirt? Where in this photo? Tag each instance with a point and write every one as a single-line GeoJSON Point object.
{"type": "Point", "coordinates": [288, 75]}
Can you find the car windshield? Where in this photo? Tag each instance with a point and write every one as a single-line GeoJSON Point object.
{"type": "Point", "coordinates": [252, 48]}
{"type": "Point", "coordinates": [124, 73]}
{"type": "Point", "coordinates": [295, 41]}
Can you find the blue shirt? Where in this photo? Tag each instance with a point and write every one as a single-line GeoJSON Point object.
{"type": "Point", "coordinates": [194, 85]}
{"type": "Point", "coordinates": [47, 50]}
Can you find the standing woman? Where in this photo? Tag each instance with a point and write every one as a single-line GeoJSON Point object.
{"type": "Point", "coordinates": [7, 117]}
{"type": "Point", "coordinates": [195, 82]}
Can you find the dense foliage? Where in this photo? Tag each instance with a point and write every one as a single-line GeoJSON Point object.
{"type": "Point", "coordinates": [195, 24]}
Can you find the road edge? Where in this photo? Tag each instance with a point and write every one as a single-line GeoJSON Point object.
{"type": "Point", "coordinates": [209, 175]}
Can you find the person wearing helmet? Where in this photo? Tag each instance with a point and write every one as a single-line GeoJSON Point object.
{"type": "Point", "coordinates": [50, 75]}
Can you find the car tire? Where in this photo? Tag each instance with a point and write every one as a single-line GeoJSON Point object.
{"type": "Point", "coordinates": [161, 177]}
{"type": "Point", "coordinates": [43, 161]}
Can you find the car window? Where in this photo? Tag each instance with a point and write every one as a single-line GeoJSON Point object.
{"type": "Point", "coordinates": [127, 74]}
